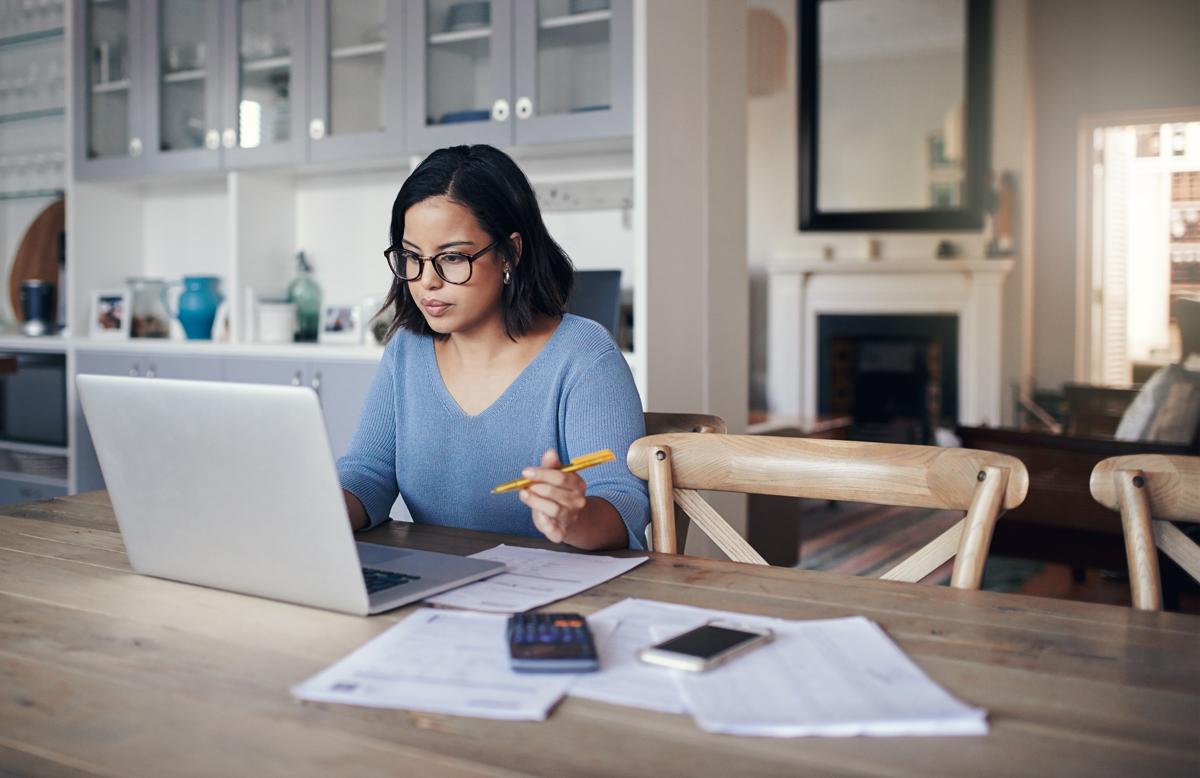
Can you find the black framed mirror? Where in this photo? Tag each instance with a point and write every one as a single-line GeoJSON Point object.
{"type": "Point", "coordinates": [895, 113]}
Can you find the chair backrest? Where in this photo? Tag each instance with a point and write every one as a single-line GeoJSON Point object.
{"type": "Point", "coordinates": [982, 483]}
{"type": "Point", "coordinates": [658, 536]}
{"type": "Point", "coordinates": [1150, 491]}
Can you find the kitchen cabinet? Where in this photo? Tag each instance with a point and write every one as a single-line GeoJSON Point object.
{"type": "Point", "coordinates": [183, 94]}
{"type": "Point", "coordinates": [341, 387]}
{"type": "Point", "coordinates": [181, 86]}
{"type": "Point", "coordinates": [524, 72]}
{"type": "Point", "coordinates": [87, 467]}
{"type": "Point", "coordinates": [108, 75]}
{"type": "Point", "coordinates": [573, 70]}
{"type": "Point", "coordinates": [356, 94]}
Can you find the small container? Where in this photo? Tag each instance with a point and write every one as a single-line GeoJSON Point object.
{"type": "Point", "coordinates": [276, 321]}
{"type": "Point", "coordinates": [37, 307]}
{"type": "Point", "coordinates": [148, 308]}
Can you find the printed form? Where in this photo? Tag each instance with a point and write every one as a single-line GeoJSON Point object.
{"type": "Point", "coordinates": [439, 661]}
{"type": "Point", "coordinates": [534, 578]}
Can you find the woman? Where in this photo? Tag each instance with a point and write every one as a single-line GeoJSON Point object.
{"type": "Point", "coordinates": [485, 373]}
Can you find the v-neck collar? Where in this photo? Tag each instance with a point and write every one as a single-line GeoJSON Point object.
{"type": "Point", "coordinates": [452, 405]}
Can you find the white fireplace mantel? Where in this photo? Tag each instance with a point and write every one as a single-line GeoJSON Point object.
{"type": "Point", "coordinates": [801, 289]}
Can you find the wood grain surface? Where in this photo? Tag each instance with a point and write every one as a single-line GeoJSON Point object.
{"type": "Point", "coordinates": [37, 253]}
{"type": "Point", "coordinates": [104, 672]}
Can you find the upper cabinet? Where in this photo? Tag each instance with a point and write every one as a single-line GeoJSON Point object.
{"type": "Point", "coordinates": [357, 89]}
{"type": "Point", "coordinates": [519, 71]}
{"type": "Point", "coordinates": [109, 128]}
{"type": "Point", "coordinates": [574, 70]}
{"type": "Point", "coordinates": [264, 99]}
{"type": "Point", "coordinates": [167, 86]}
{"type": "Point", "coordinates": [183, 103]}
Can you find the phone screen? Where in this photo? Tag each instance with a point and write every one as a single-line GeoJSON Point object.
{"type": "Point", "coordinates": [706, 641]}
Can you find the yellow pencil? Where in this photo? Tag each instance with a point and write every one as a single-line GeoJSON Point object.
{"type": "Point", "coordinates": [578, 463]}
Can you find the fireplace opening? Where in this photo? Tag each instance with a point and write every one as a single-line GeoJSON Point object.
{"type": "Point", "coordinates": [894, 376]}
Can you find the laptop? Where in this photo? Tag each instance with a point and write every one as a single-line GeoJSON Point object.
{"type": "Point", "coordinates": [233, 486]}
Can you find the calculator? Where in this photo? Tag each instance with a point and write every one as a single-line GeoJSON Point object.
{"type": "Point", "coordinates": [551, 643]}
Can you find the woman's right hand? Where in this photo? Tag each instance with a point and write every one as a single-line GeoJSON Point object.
{"type": "Point", "coordinates": [358, 514]}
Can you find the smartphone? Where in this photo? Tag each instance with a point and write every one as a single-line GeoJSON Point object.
{"type": "Point", "coordinates": [706, 646]}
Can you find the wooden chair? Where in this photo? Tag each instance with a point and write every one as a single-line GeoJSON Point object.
{"type": "Point", "coordinates": [1151, 491]}
{"type": "Point", "coordinates": [660, 424]}
{"type": "Point", "coordinates": [980, 482]}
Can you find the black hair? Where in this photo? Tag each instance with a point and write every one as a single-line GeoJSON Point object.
{"type": "Point", "coordinates": [488, 183]}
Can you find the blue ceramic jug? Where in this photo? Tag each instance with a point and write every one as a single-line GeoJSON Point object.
{"type": "Point", "coordinates": [198, 306]}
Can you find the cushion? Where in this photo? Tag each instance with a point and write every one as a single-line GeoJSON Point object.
{"type": "Point", "coordinates": [1141, 415]}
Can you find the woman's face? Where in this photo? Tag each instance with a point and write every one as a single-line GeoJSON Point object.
{"type": "Point", "coordinates": [437, 225]}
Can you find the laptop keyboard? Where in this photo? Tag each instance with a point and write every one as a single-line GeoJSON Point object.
{"type": "Point", "coordinates": [378, 580]}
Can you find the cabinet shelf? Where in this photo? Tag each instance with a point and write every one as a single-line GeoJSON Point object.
{"type": "Point", "coordinates": [460, 36]}
{"type": "Point", "coordinates": [24, 38]}
{"type": "Point", "coordinates": [31, 194]}
{"type": "Point", "coordinates": [29, 478]}
{"type": "Point", "coordinates": [33, 448]}
{"type": "Point", "coordinates": [362, 50]}
{"type": "Point", "coordinates": [108, 87]}
{"type": "Point", "coordinates": [575, 20]}
{"type": "Point", "coordinates": [266, 65]}
{"type": "Point", "coordinates": [24, 116]}
{"type": "Point", "coordinates": [184, 76]}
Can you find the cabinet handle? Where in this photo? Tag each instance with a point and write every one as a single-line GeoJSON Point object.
{"type": "Point", "coordinates": [229, 138]}
{"type": "Point", "coordinates": [212, 139]}
{"type": "Point", "coordinates": [150, 371]}
{"type": "Point", "coordinates": [316, 129]}
{"type": "Point", "coordinates": [500, 110]}
{"type": "Point", "coordinates": [316, 383]}
{"type": "Point", "coordinates": [134, 371]}
{"type": "Point", "coordinates": [296, 379]}
{"type": "Point", "coordinates": [135, 147]}
{"type": "Point", "coordinates": [524, 108]}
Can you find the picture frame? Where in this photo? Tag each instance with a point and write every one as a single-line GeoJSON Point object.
{"type": "Point", "coordinates": [341, 323]}
{"type": "Point", "coordinates": [110, 315]}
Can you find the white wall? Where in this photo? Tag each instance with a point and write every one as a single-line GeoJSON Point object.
{"type": "Point", "coordinates": [1092, 57]}
{"type": "Point", "coordinates": [772, 203]}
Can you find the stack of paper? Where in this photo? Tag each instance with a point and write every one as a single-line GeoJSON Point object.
{"type": "Point", "coordinates": [534, 578]}
{"type": "Point", "coordinates": [439, 661]}
{"type": "Point", "coordinates": [833, 677]}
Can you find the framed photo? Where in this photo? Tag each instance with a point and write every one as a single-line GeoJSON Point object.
{"type": "Point", "coordinates": [341, 323]}
{"type": "Point", "coordinates": [110, 315]}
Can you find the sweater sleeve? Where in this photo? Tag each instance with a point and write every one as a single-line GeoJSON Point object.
{"type": "Point", "coordinates": [603, 410]}
{"type": "Point", "coordinates": [368, 468]}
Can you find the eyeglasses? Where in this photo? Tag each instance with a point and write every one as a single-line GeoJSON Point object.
{"type": "Point", "coordinates": [453, 267]}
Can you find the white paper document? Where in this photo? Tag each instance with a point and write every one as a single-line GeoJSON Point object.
{"type": "Point", "coordinates": [439, 661]}
{"type": "Point", "coordinates": [535, 577]}
{"type": "Point", "coordinates": [832, 677]}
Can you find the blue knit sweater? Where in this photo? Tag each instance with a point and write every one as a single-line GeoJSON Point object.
{"type": "Point", "coordinates": [576, 396]}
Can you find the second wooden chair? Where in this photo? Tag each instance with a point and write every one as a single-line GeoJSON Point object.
{"type": "Point", "coordinates": [1150, 491]}
{"type": "Point", "coordinates": [982, 483]}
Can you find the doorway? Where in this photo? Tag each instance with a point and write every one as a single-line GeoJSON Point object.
{"type": "Point", "coordinates": [1142, 240]}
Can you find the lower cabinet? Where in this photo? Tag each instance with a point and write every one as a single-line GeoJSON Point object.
{"type": "Point", "coordinates": [87, 467]}
{"type": "Point", "coordinates": [341, 386]}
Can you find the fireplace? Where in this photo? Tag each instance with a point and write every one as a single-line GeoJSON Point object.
{"type": "Point", "coordinates": [894, 376]}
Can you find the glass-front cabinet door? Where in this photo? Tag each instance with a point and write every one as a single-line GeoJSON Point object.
{"type": "Point", "coordinates": [264, 102]}
{"type": "Point", "coordinates": [355, 98]}
{"type": "Point", "coordinates": [459, 70]}
{"type": "Point", "coordinates": [108, 132]}
{"type": "Point", "coordinates": [573, 69]}
{"type": "Point", "coordinates": [183, 106]}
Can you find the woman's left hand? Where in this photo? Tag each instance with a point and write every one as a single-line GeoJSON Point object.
{"type": "Point", "coordinates": [556, 498]}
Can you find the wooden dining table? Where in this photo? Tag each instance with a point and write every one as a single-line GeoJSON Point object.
{"type": "Point", "coordinates": [106, 672]}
